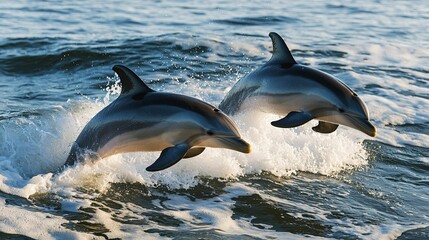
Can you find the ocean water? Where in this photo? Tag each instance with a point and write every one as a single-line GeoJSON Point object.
{"type": "Point", "coordinates": [55, 74]}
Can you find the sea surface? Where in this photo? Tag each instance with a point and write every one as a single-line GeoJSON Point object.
{"type": "Point", "coordinates": [55, 75]}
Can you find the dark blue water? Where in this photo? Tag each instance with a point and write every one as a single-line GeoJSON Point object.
{"type": "Point", "coordinates": [55, 74]}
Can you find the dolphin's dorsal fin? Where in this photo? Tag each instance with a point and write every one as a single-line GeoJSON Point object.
{"type": "Point", "coordinates": [281, 52]}
{"type": "Point", "coordinates": [131, 83]}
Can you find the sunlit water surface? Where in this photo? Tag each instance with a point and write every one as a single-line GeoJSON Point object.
{"type": "Point", "coordinates": [55, 74]}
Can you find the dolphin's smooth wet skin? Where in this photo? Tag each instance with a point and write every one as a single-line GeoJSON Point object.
{"type": "Point", "coordinates": [300, 93]}
{"type": "Point", "coordinates": [142, 119]}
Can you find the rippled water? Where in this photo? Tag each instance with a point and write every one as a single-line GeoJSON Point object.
{"type": "Point", "coordinates": [55, 74]}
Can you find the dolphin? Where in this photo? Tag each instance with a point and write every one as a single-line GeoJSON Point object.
{"type": "Point", "coordinates": [142, 119]}
{"type": "Point", "coordinates": [300, 93]}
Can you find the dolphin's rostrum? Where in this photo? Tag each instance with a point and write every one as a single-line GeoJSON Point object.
{"type": "Point", "coordinates": [142, 119]}
{"type": "Point", "coordinates": [284, 87]}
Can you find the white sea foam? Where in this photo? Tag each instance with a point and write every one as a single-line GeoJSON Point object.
{"type": "Point", "coordinates": [379, 232]}
{"type": "Point", "coordinates": [123, 231]}
{"type": "Point", "coordinates": [27, 165]}
{"type": "Point", "coordinates": [28, 223]}
{"type": "Point", "coordinates": [217, 213]}
{"type": "Point", "coordinates": [279, 151]}
{"type": "Point", "coordinates": [32, 149]}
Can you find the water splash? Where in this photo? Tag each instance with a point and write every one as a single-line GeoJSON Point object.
{"type": "Point", "coordinates": [33, 148]}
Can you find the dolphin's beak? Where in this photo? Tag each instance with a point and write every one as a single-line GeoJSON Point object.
{"type": "Point", "coordinates": [236, 143]}
{"type": "Point", "coordinates": [364, 126]}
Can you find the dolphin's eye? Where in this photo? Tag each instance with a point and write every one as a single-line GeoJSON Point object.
{"type": "Point", "coordinates": [210, 132]}
{"type": "Point", "coordinates": [341, 110]}
{"type": "Point", "coordinates": [216, 110]}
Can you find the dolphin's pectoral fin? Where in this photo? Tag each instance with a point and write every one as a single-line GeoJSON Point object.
{"type": "Point", "coordinates": [194, 152]}
{"type": "Point", "coordinates": [293, 119]}
{"type": "Point", "coordinates": [169, 157]}
{"type": "Point", "coordinates": [325, 127]}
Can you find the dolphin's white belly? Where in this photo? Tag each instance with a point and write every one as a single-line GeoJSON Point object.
{"type": "Point", "coordinates": [130, 142]}
{"type": "Point", "coordinates": [155, 138]}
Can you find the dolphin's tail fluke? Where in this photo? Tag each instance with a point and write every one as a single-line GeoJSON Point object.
{"type": "Point", "coordinates": [73, 155]}
{"type": "Point", "coordinates": [78, 154]}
